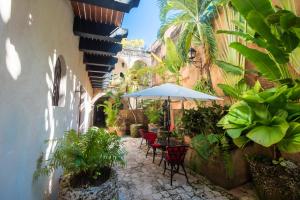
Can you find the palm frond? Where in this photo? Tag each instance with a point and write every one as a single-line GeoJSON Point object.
{"type": "Point", "coordinates": [209, 39]}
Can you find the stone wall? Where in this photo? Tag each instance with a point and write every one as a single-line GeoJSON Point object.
{"type": "Point", "coordinates": [33, 33]}
{"type": "Point", "coordinates": [127, 118]}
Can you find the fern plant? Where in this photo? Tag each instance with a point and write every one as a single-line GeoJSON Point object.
{"type": "Point", "coordinates": [84, 154]}
{"type": "Point", "coordinates": [111, 110]}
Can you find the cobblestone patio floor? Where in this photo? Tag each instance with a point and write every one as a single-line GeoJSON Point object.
{"type": "Point", "coordinates": [143, 180]}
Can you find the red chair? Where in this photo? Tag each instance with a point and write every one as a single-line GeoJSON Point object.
{"type": "Point", "coordinates": [151, 141]}
{"type": "Point", "coordinates": [174, 156]}
{"type": "Point", "coordinates": [142, 134]}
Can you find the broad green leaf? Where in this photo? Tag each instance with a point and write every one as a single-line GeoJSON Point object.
{"type": "Point", "coordinates": [230, 68]}
{"type": "Point", "coordinates": [271, 97]}
{"type": "Point", "coordinates": [269, 135]}
{"type": "Point", "coordinates": [294, 111]}
{"type": "Point", "coordinates": [262, 61]}
{"type": "Point", "coordinates": [294, 92]}
{"type": "Point", "coordinates": [245, 36]}
{"type": "Point", "coordinates": [262, 113]}
{"type": "Point", "coordinates": [287, 19]}
{"type": "Point", "coordinates": [290, 41]}
{"type": "Point", "coordinates": [213, 138]}
{"type": "Point", "coordinates": [239, 116]}
{"type": "Point", "coordinates": [291, 141]}
{"type": "Point", "coordinates": [241, 141]}
{"type": "Point", "coordinates": [226, 124]}
{"type": "Point", "coordinates": [263, 7]}
{"type": "Point", "coordinates": [251, 96]}
{"type": "Point", "coordinates": [256, 21]}
{"type": "Point", "coordinates": [279, 54]}
{"type": "Point", "coordinates": [235, 132]}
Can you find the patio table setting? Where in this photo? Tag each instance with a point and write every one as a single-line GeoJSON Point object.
{"type": "Point", "coordinates": [173, 152]}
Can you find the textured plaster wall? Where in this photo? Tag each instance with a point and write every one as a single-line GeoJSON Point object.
{"type": "Point", "coordinates": [33, 33]}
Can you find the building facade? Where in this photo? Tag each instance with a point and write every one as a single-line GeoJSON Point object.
{"type": "Point", "coordinates": [47, 87]}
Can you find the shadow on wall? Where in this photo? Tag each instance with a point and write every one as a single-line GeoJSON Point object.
{"type": "Point", "coordinates": [28, 117]}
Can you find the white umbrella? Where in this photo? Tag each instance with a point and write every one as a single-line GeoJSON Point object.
{"type": "Point", "coordinates": [170, 91]}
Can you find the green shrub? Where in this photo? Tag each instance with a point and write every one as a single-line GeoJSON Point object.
{"type": "Point", "coordinates": [86, 154]}
{"type": "Point", "coordinates": [153, 112]}
{"type": "Point", "coordinates": [203, 120]}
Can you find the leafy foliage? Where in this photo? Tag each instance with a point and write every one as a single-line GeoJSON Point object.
{"type": "Point", "coordinates": [203, 86]}
{"type": "Point", "coordinates": [266, 117]}
{"type": "Point", "coordinates": [193, 17]}
{"type": "Point", "coordinates": [153, 112]}
{"type": "Point", "coordinates": [84, 154]}
{"type": "Point", "coordinates": [203, 120]}
{"type": "Point", "coordinates": [111, 111]}
{"type": "Point", "coordinates": [276, 32]}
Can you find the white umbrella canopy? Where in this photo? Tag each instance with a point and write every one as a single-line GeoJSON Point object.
{"type": "Point", "coordinates": [170, 91]}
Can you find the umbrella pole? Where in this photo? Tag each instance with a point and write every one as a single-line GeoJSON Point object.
{"type": "Point", "coordinates": [169, 119]}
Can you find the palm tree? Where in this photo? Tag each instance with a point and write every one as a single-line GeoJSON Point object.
{"type": "Point", "coordinates": [193, 17]}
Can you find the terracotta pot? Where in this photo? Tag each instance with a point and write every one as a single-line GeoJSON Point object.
{"type": "Point", "coordinates": [215, 169]}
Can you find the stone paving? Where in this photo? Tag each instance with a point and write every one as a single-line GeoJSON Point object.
{"type": "Point", "coordinates": [141, 179]}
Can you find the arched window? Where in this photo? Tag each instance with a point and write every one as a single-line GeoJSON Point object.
{"type": "Point", "coordinates": [59, 83]}
{"type": "Point", "coordinates": [56, 83]}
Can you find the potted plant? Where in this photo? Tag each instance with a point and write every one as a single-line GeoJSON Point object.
{"type": "Point", "coordinates": [271, 119]}
{"type": "Point", "coordinates": [87, 161]}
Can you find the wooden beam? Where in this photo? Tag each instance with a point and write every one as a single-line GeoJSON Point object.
{"type": "Point", "coordinates": [99, 60]}
{"type": "Point", "coordinates": [100, 31]}
{"type": "Point", "coordinates": [99, 74]}
{"type": "Point", "coordinates": [99, 78]}
{"type": "Point", "coordinates": [99, 47]}
{"type": "Point", "coordinates": [99, 68]}
{"type": "Point", "coordinates": [118, 5]}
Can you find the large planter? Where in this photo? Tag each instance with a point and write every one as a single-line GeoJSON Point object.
{"type": "Point", "coordinates": [105, 191]}
{"type": "Point", "coordinates": [274, 182]}
{"type": "Point", "coordinates": [134, 130]}
{"type": "Point", "coordinates": [215, 169]}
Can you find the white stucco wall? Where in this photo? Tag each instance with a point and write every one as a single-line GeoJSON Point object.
{"type": "Point", "coordinates": [32, 34]}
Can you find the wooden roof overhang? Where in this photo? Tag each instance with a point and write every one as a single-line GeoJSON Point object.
{"type": "Point", "coordinates": [99, 47]}
{"type": "Point", "coordinates": [98, 24]}
{"type": "Point", "coordinates": [117, 5]}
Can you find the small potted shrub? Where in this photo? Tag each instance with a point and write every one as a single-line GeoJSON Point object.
{"type": "Point", "coordinates": [270, 119]}
{"type": "Point", "coordinates": [87, 161]}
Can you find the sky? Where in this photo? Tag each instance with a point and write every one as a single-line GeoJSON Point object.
{"type": "Point", "coordinates": [143, 22]}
